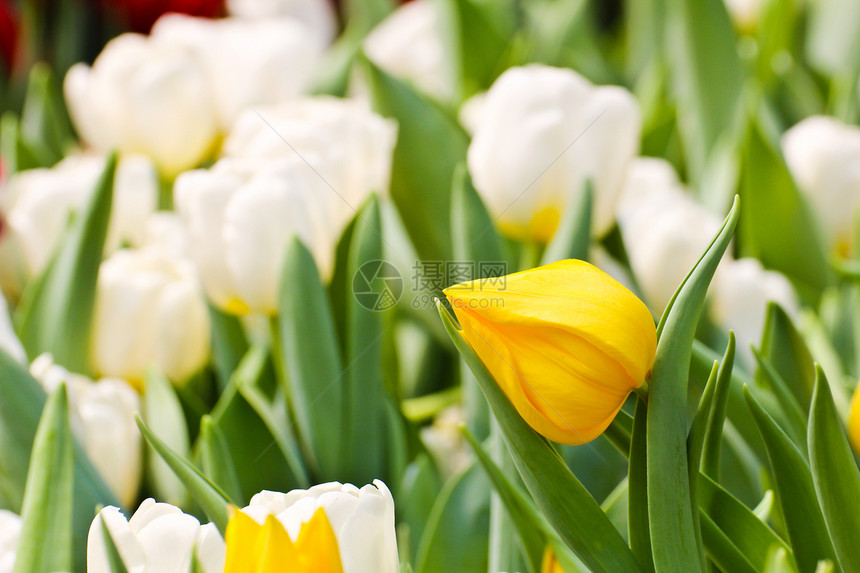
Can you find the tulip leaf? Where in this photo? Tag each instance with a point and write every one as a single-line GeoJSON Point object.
{"type": "Point", "coordinates": [713, 441]}
{"type": "Point", "coordinates": [720, 549]}
{"type": "Point", "coordinates": [564, 501]}
{"type": "Point", "coordinates": [777, 226]}
{"type": "Point", "coordinates": [530, 524]}
{"type": "Point", "coordinates": [56, 314]}
{"type": "Point", "coordinates": [573, 237]}
{"type": "Point", "coordinates": [229, 344]}
{"type": "Point", "coordinates": [209, 496]}
{"type": "Point", "coordinates": [638, 530]}
{"type": "Point", "coordinates": [420, 176]}
{"type": "Point", "coordinates": [793, 420]}
{"type": "Point", "coordinates": [44, 122]}
{"type": "Point", "coordinates": [46, 516]}
{"type": "Point", "coordinates": [670, 511]}
{"type": "Point", "coordinates": [795, 491]}
{"type": "Point", "coordinates": [835, 475]}
{"type": "Point", "coordinates": [114, 559]}
{"type": "Point", "coordinates": [364, 15]}
{"type": "Point", "coordinates": [216, 462]}
{"type": "Point", "coordinates": [311, 356]}
{"type": "Point", "coordinates": [364, 390]}
{"type": "Point", "coordinates": [696, 436]}
{"type": "Point", "coordinates": [16, 155]}
{"type": "Point", "coordinates": [419, 488]}
{"type": "Point", "coordinates": [783, 347]}
{"type": "Point", "coordinates": [455, 538]}
{"type": "Point", "coordinates": [163, 412]}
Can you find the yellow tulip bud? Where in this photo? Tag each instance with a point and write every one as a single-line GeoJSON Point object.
{"type": "Point", "coordinates": [566, 343]}
{"type": "Point", "coordinates": [854, 421]}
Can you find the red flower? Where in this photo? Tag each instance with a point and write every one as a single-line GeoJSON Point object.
{"type": "Point", "coordinates": [140, 15]}
{"type": "Point", "coordinates": [8, 35]}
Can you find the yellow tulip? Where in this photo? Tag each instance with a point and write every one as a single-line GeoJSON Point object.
{"type": "Point", "coordinates": [550, 562]}
{"type": "Point", "coordinates": [854, 421]}
{"type": "Point", "coordinates": [267, 548]}
{"type": "Point", "coordinates": [566, 343]}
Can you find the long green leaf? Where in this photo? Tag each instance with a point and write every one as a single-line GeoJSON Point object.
{"type": "Point", "coordinates": [712, 447]}
{"type": "Point", "coordinates": [670, 511]}
{"type": "Point", "coordinates": [216, 462]}
{"type": "Point", "coordinates": [835, 475]}
{"type": "Point", "coordinates": [311, 357]}
{"type": "Point", "coordinates": [567, 505]}
{"type": "Point", "coordinates": [56, 316]}
{"type": "Point", "coordinates": [46, 518]}
{"type": "Point", "coordinates": [163, 412]}
{"type": "Point", "coordinates": [638, 530]}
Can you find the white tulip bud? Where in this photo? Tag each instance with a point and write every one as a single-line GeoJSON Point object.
{"type": "Point", "coordinates": [148, 97]}
{"type": "Point", "coordinates": [739, 296]}
{"type": "Point", "coordinates": [10, 532]}
{"type": "Point", "coordinates": [445, 441]}
{"type": "Point", "coordinates": [247, 62]}
{"type": "Point", "coordinates": [150, 312]}
{"type": "Point", "coordinates": [408, 44]}
{"type": "Point", "coordinates": [158, 538]}
{"type": "Point", "coordinates": [542, 133]}
{"type": "Point", "coordinates": [38, 203]}
{"type": "Point", "coordinates": [362, 520]}
{"type": "Point", "coordinates": [665, 231]}
{"type": "Point", "coordinates": [318, 17]}
{"type": "Point", "coordinates": [102, 420]}
{"type": "Point", "coordinates": [823, 155]}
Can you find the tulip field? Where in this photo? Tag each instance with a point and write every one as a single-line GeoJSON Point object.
{"type": "Point", "coordinates": [433, 286]}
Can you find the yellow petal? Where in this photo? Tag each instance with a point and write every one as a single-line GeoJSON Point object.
{"type": "Point", "coordinates": [241, 539]}
{"type": "Point", "coordinates": [550, 563]}
{"type": "Point", "coordinates": [854, 421]}
{"type": "Point", "coordinates": [317, 546]}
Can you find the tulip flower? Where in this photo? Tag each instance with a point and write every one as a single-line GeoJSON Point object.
{"type": "Point", "coordinates": [565, 342]}
{"type": "Point", "coordinates": [150, 311]}
{"type": "Point", "coordinates": [102, 420]}
{"type": "Point", "coordinates": [542, 133]}
{"type": "Point", "coordinates": [362, 521]}
{"type": "Point", "coordinates": [409, 44]}
{"type": "Point", "coordinates": [8, 36]}
{"type": "Point", "coordinates": [36, 205]}
{"type": "Point", "coordinates": [318, 16]}
{"type": "Point", "coordinates": [822, 154]}
{"type": "Point", "coordinates": [158, 538]}
{"type": "Point", "coordinates": [267, 548]}
{"type": "Point", "coordinates": [145, 96]}
{"type": "Point", "coordinates": [10, 532]}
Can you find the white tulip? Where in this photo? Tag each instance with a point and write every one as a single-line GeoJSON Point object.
{"type": "Point", "coordinates": [145, 96]}
{"type": "Point", "coordinates": [102, 420]}
{"type": "Point", "coordinates": [10, 532]}
{"type": "Point", "coordinates": [362, 520]}
{"type": "Point", "coordinates": [445, 442]}
{"type": "Point", "coordinates": [247, 62]}
{"type": "Point", "coordinates": [319, 16]}
{"type": "Point", "coordinates": [665, 231]}
{"type": "Point", "coordinates": [158, 538]}
{"type": "Point", "coordinates": [739, 296]}
{"type": "Point", "coordinates": [38, 203]}
{"type": "Point", "coordinates": [408, 44]}
{"type": "Point", "coordinates": [240, 215]}
{"type": "Point", "coordinates": [823, 155]}
{"type": "Point", "coordinates": [541, 134]}
{"type": "Point", "coordinates": [150, 311]}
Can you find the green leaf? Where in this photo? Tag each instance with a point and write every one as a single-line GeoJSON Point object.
{"type": "Point", "coordinates": [835, 475]}
{"type": "Point", "coordinates": [638, 530]}
{"type": "Point", "coordinates": [216, 460]}
{"type": "Point", "coordinates": [696, 437]}
{"type": "Point", "coordinates": [455, 538]}
{"type": "Point", "coordinates": [163, 412]}
{"type": "Point", "coordinates": [783, 347]}
{"type": "Point", "coordinates": [44, 123]}
{"type": "Point", "coordinates": [795, 491]}
{"type": "Point", "coordinates": [311, 356]}
{"type": "Point", "coordinates": [567, 505]}
{"type": "Point", "coordinates": [833, 48]}
{"type": "Point", "coordinates": [419, 488]}
{"type": "Point", "coordinates": [365, 429]}
{"type": "Point", "coordinates": [364, 15]}
{"type": "Point", "coordinates": [720, 549]}
{"type": "Point", "coordinates": [209, 496]}
{"type": "Point", "coordinates": [712, 447]}
{"type": "Point", "coordinates": [792, 420]}
{"type": "Point", "coordinates": [573, 237]}
{"type": "Point", "coordinates": [777, 226]}
{"type": "Point", "coordinates": [56, 315]}
{"type": "Point", "coordinates": [430, 145]}
{"type": "Point", "coordinates": [670, 511]}
{"type": "Point", "coordinates": [113, 557]}
{"type": "Point", "coordinates": [229, 344]}
{"type": "Point", "coordinates": [46, 518]}
{"type": "Point", "coordinates": [17, 156]}
{"type": "Point", "coordinates": [707, 75]}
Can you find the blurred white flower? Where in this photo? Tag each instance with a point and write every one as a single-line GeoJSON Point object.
{"type": "Point", "coordinates": [362, 520]}
{"type": "Point", "coordinates": [38, 203]}
{"type": "Point", "coordinates": [158, 538]}
{"type": "Point", "coordinates": [10, 531]}
{"type": "Point", "coordinates": [145, 96]}
{"type": "Point", "coordinates": [739, 296]}
{"type": "Point", "coordinates": [823, 155]}
{"type": "Point", "coordinates": [665, 231]}
{"type": "Point", "coordinates": [541, 134]}
{"type": "Point", "coordinates": [318, 15]}
{"type": "Point", "coordinates": [246, 62]}
{"type": "Point", "coordinates": [408, 44]}
{"type": "Point", "coordinates": [445, 441]}
{"type": "Point", "coordinates": [102, 420]}
{"type": "Point", "coordinates": [472, 111]}
{"type": "Point", "coordinates": [150, 312]}
{"type": "Point", "coordinates": [745, 13]}
{"type": "Point", "coordinates": [167, 231]}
